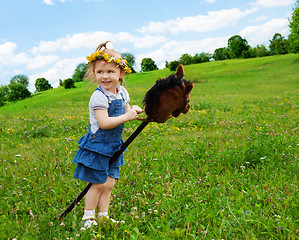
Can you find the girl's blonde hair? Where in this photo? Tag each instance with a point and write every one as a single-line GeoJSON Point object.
{"type": "Point", "coordinates": [90, 75]}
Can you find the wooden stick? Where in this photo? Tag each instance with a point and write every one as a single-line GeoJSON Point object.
{"type": "Point", "coordinates": [74, 202]}
{"type": "Point", "coordinates": [127, 143]}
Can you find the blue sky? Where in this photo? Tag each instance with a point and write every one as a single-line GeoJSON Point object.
{"type": "Point", "coordinates": [49, 38]}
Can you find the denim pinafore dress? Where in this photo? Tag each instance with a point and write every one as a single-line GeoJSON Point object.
{"type": "Point", "coordinates": [95, 151]}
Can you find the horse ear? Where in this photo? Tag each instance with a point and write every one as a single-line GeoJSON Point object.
{"type": "Point", "coordinates": [189, 87]}
{"type": "Point", "coordinates": [180, 71]}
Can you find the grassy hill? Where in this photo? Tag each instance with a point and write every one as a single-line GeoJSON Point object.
{"type": "Point", "coordinates": [226, 170]}
{"type": "Point", "coordinates": [275, 75]}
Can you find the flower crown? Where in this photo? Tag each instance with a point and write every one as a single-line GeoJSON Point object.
{"type": "Point", "coordinates": [118, 61]}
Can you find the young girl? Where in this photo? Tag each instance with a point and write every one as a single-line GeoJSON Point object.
{"type": "Point", "coordinates": [109, 109]}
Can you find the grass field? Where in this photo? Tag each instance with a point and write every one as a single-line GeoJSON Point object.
{"type": "Point", "coordinates": [226, 170]}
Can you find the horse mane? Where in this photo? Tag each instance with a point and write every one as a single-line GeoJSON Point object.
{"type": "Point", "coordinates": [153, 95]}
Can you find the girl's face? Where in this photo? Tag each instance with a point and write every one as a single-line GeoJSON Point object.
{"type": "Point", "coordinates": [107, 75]}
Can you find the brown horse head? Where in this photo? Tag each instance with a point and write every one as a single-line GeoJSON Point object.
{"type": "Point", "coordinates": [169, 97]}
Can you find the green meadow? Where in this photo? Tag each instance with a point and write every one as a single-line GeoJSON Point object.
{"type": "Point", "coordinates": [226, 170]}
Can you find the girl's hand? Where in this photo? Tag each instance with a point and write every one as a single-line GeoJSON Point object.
{"type": "Point", "coordinates": [131, 114]}
{"type": "Point", "coordinates": [137, 109]}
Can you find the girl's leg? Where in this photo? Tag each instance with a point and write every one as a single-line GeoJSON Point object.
{"type": "Point", "coordinates": [91, 201]}
{"type": "Point", "coordinates": [93, 195]}
{"type": "Point", "coordinates": [104, 197]}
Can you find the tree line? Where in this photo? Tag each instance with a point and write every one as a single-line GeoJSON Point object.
{"type": "Point", "coordinates": [237, 47]}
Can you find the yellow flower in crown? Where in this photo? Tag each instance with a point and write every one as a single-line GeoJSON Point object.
{"type": "Point", "coordinates": [92, 57]}
{"type": "Point", "coordinates": [106, 57]}
{"type": "Point", "coordinates": [127, 69]}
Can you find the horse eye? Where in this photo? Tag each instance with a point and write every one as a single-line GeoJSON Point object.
{"type": "Point", "coordinates": [188, 100]}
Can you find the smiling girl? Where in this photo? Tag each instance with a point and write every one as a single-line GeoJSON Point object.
{"type": "Point", "coordinates": [109, 109]}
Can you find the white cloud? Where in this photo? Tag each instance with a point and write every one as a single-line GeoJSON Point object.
{"type": "Point", "coordinates": [201, 23]}
{"type": "Point", "coordinates": [263, 33]}
{"type": "Point", "coordinates": [79, 40]}
{"type": "Point", "coordinates": [6, 51]}
{"type": "Point", "coordinates": [273, 3]}
{"type": "Point", "coordinates": [40, 61]}
{"type": "Point", "coordinates": [148, 41]}
{"type": "Point", "coordinates": [9, 57]}
{"type": "Point", "coordinates": [49, 2]}
{"type": "Point", "coordinates": [211, 1]}
{"type": "Point", "coordinates": [92, 39]}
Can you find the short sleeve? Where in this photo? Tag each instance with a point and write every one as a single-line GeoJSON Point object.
{"type": "Point", "coordinates": [98, 101]}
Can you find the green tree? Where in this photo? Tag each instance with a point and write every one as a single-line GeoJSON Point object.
{"type": "Point", "coordinates": [130, 60]}
{"type": "Point", "coordinates": [17, 91]}
{"type": "Point", "coordinates": [42, 84]}
{"type": "Point", "coordinates": [79, 73]}
{"type": "Point", "coordinates": [186, 59]}
{"type": "Point", "coordinates": [173, 65]}
{"type": "Point", "coordinates": [196, 59]}
{"type": "Point", "coordinates": [17, 88]}
{"type": "Point", "coordinates": [67, 83]}
{"type": "Point", "coordinates": [261, 51]}
{"type": "Point", "coordinates": [205, 57]}
{"type": "Point", "coordinates": [249, 53]}
{"type": "Point", "coordinates": [3, 94]}
{"type": "Point", "coordinates": [21, 79]}
{"type": "Point", "coordinates": [294, 30]}
{"type": "Point", "coordinates": [221, 54]}
{"type": "Point", "coordinates": [236, 45]}
{"type": "Point", "coordinates": [278, 45]}
{"type": "Point", "coordinates": [148, 64]}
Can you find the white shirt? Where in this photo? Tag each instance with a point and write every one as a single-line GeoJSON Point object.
{"type": "Point", "coordinates": [99, 100]}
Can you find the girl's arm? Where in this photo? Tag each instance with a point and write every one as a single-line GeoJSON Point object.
{"type": "Point", "coordinates": [106, 122]}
